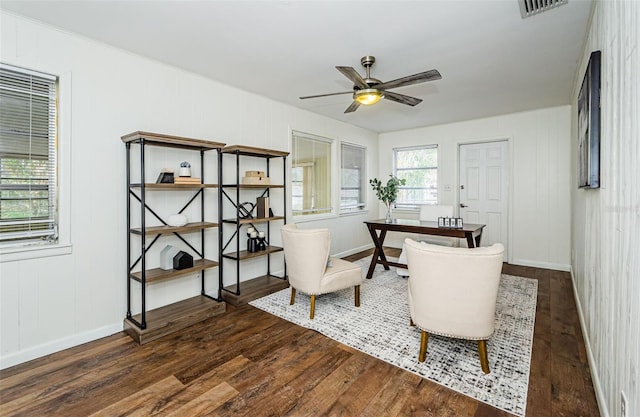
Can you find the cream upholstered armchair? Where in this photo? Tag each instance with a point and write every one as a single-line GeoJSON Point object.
{"type": "Point", "coordinates": [309, 268]}
{"type": "Point", "coordinates": [453, 291]}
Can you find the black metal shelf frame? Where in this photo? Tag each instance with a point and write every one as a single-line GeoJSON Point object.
{"type": "Point", "coordinates": [235, 236]}
{"type": "Point", "coordinates": [144, 208]}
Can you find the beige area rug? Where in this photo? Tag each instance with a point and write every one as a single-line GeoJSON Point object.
{"type": "Point", "coordinates": [379, 327]}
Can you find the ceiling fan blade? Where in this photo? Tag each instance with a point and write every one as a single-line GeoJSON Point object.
{"type": "Point", "coordinates": [326, 95]}
{"type": "Point", "coordinates": [401, 98]}
{"type": "Point", "coordinates": [353, 107]}
{"type": "Point", "coordinates": [353, 75]}
{"type": "Point", "coordinates": [430, 75]}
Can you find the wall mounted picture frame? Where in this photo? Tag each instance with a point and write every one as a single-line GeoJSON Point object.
{"type": "Point", "coordinates": [589, 125]}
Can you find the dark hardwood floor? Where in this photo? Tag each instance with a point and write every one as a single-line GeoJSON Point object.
{"type": "Point", "coordinates": [250, 363]}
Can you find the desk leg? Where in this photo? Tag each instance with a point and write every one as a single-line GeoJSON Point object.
{"type": "Point", "coordinates": [478, 239]}
{"type": "Point", "coordinates": [473, 242]}
{"type": "Point", "coordinates": [470, 242]}
{"type": "Point", "coordinates": [378, 252]}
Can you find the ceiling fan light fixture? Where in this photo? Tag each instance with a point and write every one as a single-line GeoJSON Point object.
{"type": "Point", "coordinates": [368, 90]}
{"type": "Point", "coordinates": [368, 96]}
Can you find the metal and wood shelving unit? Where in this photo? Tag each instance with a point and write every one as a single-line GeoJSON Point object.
{"type": "Point", "coordinates": [150, 325]}
{"type": "Point", "coordinates": [244, 291]}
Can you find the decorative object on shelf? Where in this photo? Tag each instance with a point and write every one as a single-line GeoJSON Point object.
{"type": "Point", "coordinates": [262, 205]}
{"type": "Point", "coordinates": [256, 240]}
{"type": "Point", "coordinates": [177, 220]}
{"type": "Point", "coordinates": [261, 241]}
{"type": "Point", "coordinates": [387, 193]}
{"type": "Point", "coordinates": [185, 169]}
{"type": "Point", "coordinates": [182, 260]}
{"type": "Point", "coordinates": [589, 125]}
{"type": "Point", "coordinates": [165, 177]}
{"type": "Point", "coordinates": [255, 178]}
{"type": "Point", "coordinates": [187, 180]}
{"type": "Point", "coordinates": [245, 209]}
{"type": "Point", "coordinates": [166, 257]}
{"type": "Point", "coordinates": [450, 222]}
{"type": "Point", "coordinates": [252, 242]}
{"type": "Point", "coordinates": [250, 230]}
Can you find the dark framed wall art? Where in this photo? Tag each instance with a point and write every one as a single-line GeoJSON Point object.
{"type": "Point", "coordinates": [589, 125]}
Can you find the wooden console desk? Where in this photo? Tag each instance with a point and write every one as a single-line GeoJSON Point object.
{"type": "Point", "coordinates": [471, 232]}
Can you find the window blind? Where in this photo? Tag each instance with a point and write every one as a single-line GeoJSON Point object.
{"type": "Point", "coordinates": [352, 177]}
{"type": "Point", "coordinates": [311, 174]}
{"type": "Point", "coordinates": [27, 156]}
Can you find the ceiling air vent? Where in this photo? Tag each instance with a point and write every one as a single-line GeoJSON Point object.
{"type": "Point", "coordinates": [531, 7]}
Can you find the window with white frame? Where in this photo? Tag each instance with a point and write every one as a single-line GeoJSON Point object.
{"type": "Point", "coordinates": [419, 167]}
{"type": "Point", "coordinates": [28, 189]}
{"type": "Point", "coordinates": [352, 178]}
{"type": "Point", "coordinates": [310, 174]}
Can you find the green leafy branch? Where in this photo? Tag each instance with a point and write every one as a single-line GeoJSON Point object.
{"type": "Point", "coordinates": [387, 193]}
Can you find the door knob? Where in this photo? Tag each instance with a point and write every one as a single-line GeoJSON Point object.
{"type": "Point", "coordinates": [463, 205]}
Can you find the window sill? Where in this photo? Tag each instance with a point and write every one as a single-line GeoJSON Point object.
{"type": "Point", "coordinates": [312, 217]}
{"type": "Point", "coordinates": [405, 210]}
{"type": "Point", "coordinates": [33, 252]}
{"type": "Point", "coordinates": [354, 213]}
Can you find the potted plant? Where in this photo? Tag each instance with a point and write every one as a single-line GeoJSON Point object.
{"type": "Point", "coordinates": [387, 193]}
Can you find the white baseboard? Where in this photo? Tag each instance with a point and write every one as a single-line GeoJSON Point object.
{"type": "Point", "coordinates": [48, 348]}
{"type": "Point", "coordinates": [600, 398]}
{"type": "Point", "coordinates": [543, 265]}
{"type": "Point", "coordinates": [352, 251]}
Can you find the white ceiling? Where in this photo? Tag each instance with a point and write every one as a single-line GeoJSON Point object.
{"type": "Point", "coordinates": [492, 61]}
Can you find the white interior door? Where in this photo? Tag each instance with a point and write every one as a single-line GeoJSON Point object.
{"type": "Point", "coordinates": [484, 179]}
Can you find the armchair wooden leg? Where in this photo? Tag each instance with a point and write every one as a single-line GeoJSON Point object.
{"type": "Point", "coordinates": [484, 359]}
{"type": "Point", "coordinates": [313, 306]}
{"type": "Point", "coordinates": [293, 296]}
{"type": "Point", "coordinates": [357, 295]}
{"type": "Point", "coordinates": [424, 340]}
{"type": "Point", "coordinates": [411, 323]}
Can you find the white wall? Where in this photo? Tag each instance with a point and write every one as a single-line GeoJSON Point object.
{"type": "Point", "coordinates": [606, 221]}
{"type": "Point", "coordinates": [539, 143]}
{"type": "Point", "coordinates": [51, 303]}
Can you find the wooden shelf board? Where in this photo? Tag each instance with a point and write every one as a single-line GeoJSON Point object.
{"type": "Point", "coordinates": [173, 317]}
{"type": "Point", "coordinates": [254, 220]}
{"type": "Point", "coordinates": [247, 255]}
{"type": "Point", "coordinates": [173, 186]}
{"type": "Point", "coordinates": [253, 186]}
{"type": "Point", "coordinates": [164, 230]}
{"type": "Point", "coordinates": [253, 289]}
{"type": "Point", "coordinates": [157, 274]}
{"type": "Point", "coordinates": [158, 139]}
{"type": "Point", "coordinates": [252, 151]}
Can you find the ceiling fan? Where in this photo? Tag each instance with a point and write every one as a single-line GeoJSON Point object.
{"type": "Point", "coordinates": [369, 90]}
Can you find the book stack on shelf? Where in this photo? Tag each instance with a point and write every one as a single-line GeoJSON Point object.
{"type": "Point", "coordinates": [255, 178]}
{"type": "Point", "coordinates": [186, 180]}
